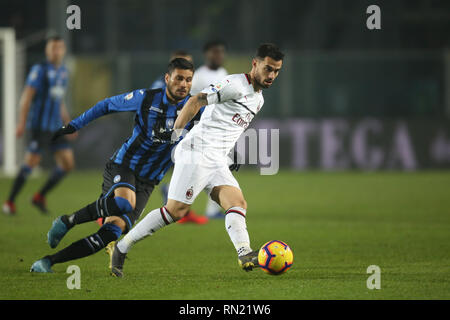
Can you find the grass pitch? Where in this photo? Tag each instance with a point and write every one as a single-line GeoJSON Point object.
{"type": "Point", "coordinates": [337, 225]}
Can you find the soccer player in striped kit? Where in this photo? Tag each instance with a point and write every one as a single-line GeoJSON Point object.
{"type": "Point", "coordinates": [42, 112]}
{"type": "Point", "coordinates": [134, 169]}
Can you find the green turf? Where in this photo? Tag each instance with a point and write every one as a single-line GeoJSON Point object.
{"type": "Point", "coordinates": [337, 224]}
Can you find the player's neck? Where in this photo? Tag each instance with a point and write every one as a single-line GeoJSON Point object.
{"type": "Point", "coordinates": [55, 64]}
{"type": "Point", "coordinates": [171, 99]}
{"type": "Point", "coordinates": [254, 83]}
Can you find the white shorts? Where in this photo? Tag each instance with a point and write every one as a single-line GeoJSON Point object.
{"type": "Point", "coordinates": [190, 178]}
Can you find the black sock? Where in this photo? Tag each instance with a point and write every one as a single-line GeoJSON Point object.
{"type": "Point", "coordinates": [97, 209]}
{"type": "Point", "coordinates": [57, 175]}
{"type": "Point", "coordinates": [87, 246]}
{"type": "Point", "coordinates": [19, 182]}
{"type": "Point", "coordinates": [86, 214]}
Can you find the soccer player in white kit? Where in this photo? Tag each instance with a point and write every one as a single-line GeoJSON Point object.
{"type": "Point", "coordinates": [212, 71]}
{"type": "Point", "coordinates": [201, 157]}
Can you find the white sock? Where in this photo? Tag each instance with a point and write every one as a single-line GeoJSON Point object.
{"type": "Point", "coordinates": [212, 208]}
{"type": "Point", "coordinates": [151, 223]}
{"type": "Point", "coordinates": [237, 230]}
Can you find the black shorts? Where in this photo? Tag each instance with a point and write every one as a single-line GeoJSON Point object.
{"type": "Point", "coordinates": [38, 140]}
{"type": "Point", "coordinates": [116, 176]}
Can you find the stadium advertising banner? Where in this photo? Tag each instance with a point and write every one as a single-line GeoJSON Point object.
{"type": "Point", "coordinates": [307, 143]}
{"type": "Point", "coordinates": [366, 144]}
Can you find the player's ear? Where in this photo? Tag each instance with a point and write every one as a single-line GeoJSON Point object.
{"type": "Point", "coordinates": [254, 62]}
{"type": "Point", "coordinates": [166, 78]}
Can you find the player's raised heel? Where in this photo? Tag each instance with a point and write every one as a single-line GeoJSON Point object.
{"type": "Point", "coordinates": [116, 259]}
{"type": "Point", "coordinates": [56, 232]}
{"type": "Point", "coordinates": [42, 266]}
{"type": "Point", "coordinates": [249, 261]}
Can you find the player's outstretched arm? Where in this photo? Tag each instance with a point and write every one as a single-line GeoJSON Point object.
{"type": "Point", "coordinates": [190, 109]}
{"type": "Point", "coordinates": [67, 129]}
{"type": "Point", "coordinates": [121, 103]}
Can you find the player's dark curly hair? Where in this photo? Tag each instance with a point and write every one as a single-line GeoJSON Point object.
{"type": "Point", "coordinates": [269, 50]}
{"type": "Point", "coordinates": [179, 63]}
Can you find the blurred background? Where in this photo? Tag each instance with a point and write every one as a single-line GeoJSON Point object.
{"type": "Point", "coordinates": [347, 97]}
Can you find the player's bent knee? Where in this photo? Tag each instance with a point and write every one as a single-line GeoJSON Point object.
{"type": "Point", "coordinates": [32, 159]}
{"type": "Point", "coordinates": [124, 204]}
{"type": "Point", "coordinates": [120, 223]}
{"type": "Point", "coordinates": [68, 167]}
{"type": "Point", "coordinates": [116, 206]}
{"type": "Point", "coordinates": [240, 203]}
{"type": "Point", "coordinates": [127, 194]}
{"type": "Point", "coordinates": [177, 209]}
{"type": "Point", "coordinates": [178, 213]}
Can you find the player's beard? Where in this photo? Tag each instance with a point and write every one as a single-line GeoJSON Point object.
{"type": "Point", "coordinates": [176, 96]}
{"type": "Point", "coordinates": [261, 82]}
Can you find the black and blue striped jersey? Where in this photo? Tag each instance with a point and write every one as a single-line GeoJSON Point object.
{"type": "Point", "coordinates": [50, 84]}
{"type": "Point", "coordinates": [143, 153]}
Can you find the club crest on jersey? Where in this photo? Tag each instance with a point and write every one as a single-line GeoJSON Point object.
{"type": "Point", "coordinates": [117, 178]}
{"type": "Point", "coordinates": [129, 96]}
{"type": "Point", "coordinates": [189, 193]}
{"type": "Point", "coordinates": [169, 123]}
{"type": "Point", "coordinates": [51, 73]}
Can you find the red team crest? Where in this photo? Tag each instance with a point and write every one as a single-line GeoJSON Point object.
{"type": "Point", "coordinates": [189, 193]}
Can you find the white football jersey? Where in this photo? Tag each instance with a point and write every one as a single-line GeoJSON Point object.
{"type": "Point", "coordinates": [232, 105]}
{"type": "Point", "coordinates": [205, 76]}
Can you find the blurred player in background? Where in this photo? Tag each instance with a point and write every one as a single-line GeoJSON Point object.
{"type": "Point", "coordinates": [213, 70]}
{"type": "Point", "coordinates": [201, 157]}
{"type": "Point", "coordinates": [42, 112]}
{"type": "Point", "coordinates": [209, 73]}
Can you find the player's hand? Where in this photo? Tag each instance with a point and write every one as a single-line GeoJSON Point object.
{"type": "Point", "coordinates": [68, 129]}
{"type": "Point", "coordinates": [235, 167]}
{"type": "Point", "coordinates": [167, 135]}
{"type": "Point", "coordinates": [236, 162]}
{"type": "Point", "coordinates": [72, 136]}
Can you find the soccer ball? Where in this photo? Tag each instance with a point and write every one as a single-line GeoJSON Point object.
{"type": "Point", "coordinates": [275, 257]}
